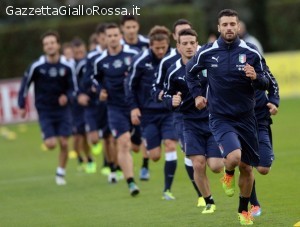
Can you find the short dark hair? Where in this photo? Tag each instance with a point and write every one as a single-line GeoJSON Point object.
{"type": "Point", "coordinates": [125, 18]}
{"type": "Point", "coordinates": [111, 25]}
{"type": "Point", "coordinates": [227, 13]}
{"type": "Point", "coordinates": [180, 22]}
{"type": "Point", "coordinates": [77, 42]}
{"type": "Point", "coordinates": [100, 28]}
{"type": "Point", "coordinates": [51, 33]}
{"type": "Point", "coordinates": [159, 33]}
{"type": "Point", "coordinates": [187, 31]}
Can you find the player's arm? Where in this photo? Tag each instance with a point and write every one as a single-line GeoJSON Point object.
{"type": "Point", "coordinates": [273, 93]}
{"type": "Point", "coordinates": [27, 79]}
{"type": "Point", "coordinates": [72, 88]}
{"type": "Point", "coordinates": [257, 73]}
{"type": "Point", "coordinates": [132, 84]}
{"type": "Point", "coordinates": [158, 83]}
{"type": "Point", "coordinates": [172, 94]}
{"type": "Point", "coordinates": [98, 81]}
{"type": "Point", "coordinates": [193, 69]}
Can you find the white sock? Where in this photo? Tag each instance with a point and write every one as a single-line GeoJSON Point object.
{"type": "Point", "coordinates": [60, 171]}
{"type": "Point", "coordinates": [188, 162]}
{"type": "Point", "coordinates": [171, 156]}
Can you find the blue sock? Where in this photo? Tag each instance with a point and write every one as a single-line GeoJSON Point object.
{"type": "Point", "coordinates": [170, 168]}
{"type": "Point", "coordinates": [190, 171]}
{"type": "Point", "coordinates": [253, 197]}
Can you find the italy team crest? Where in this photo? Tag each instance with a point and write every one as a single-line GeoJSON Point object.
{"type": "Point", "coordinates": [242, 58]}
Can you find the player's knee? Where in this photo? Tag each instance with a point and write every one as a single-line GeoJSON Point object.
{"type": "Point", "coordinates": [245, 169]}
{"type": "Point", "coordinates": [216, 168]}
{"type": "Point", "coordinates": [263, 170]}
{"type": "Point", "coordinates": [199, 166]}
{"type": "Point", "coordinates": [170, 145]}
{"type": "Point", "coordinates": [155, 154]}
{"type": "Point", "coordinates": [215, 164]}
{"type": "Point", "coordinates": [234, 158]}
{"type": "Point", "coordinates": [135, 148]}
{"type": "Point", "coordinates": [50, 143]}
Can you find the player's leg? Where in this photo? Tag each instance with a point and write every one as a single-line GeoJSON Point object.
{"type": "Point", "coordinates": [229, 146]}
{"type": "Point", "coordinates": [119, 123]}
{"type": "Point", "coordinates": [63, 129]}
{"type": "Point", "coordinates": [266, 156]}
{"type": "Point", "coordinates": [178, 122]}
{"type": "Point", "coordinates": [111, 157]}
{"type": "Point", "coordinates": [139, 145]}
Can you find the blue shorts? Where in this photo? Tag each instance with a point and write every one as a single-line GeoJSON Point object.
{"type": "Point", "coordinates": [119, 122]}
{"type": "Point", "coordinates": [157, 127]}
{"type": "Point", "coordinates": [199, 140]}
{"type": "Point", "coordinates": [265, 149]}
{"type": "Point", "coordinates": [232, 134]}
{"type": "Point", "coordinates": [95, 117]}
{"type": "Point", "coordinates": [55, 123]}
{"type": "Point", "coordinates": [78, 122]}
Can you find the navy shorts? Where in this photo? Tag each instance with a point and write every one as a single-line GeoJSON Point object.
{"type": "Point", "coordinates": [232, 134]}
{"type": "Point", "coordinates": [95, 117]}
{"type": "Point", "coordinates": [199, 140]}
{"type": "Point", "coordinates": [157, 127]}
{"type": "Point", "coordinates": [265, 149]}
{"type": "Point", "coordinates": [78, 122]}
{"type": "Point", "coordinates": [55, 123]}
{"type": "Point", "coordinates": [119, 121]}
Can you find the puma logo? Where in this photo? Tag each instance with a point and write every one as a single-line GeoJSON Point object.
{"type": "Point", "coordinates": [217, 58]}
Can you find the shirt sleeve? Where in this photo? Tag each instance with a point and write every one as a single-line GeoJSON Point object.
{"type": "Point", "coordinates": [27, 79]}
{"type": "Point", "coordinates": [169, 90]}
{"type": "Point", "coordinates": [135, 73]}
{"type": "Point", "coordinates": [193, 69]}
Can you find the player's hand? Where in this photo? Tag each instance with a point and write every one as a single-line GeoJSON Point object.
{"type": "Point", "coordinates": [63, 100]}
{"type": "Point", "coordinates": [272, 108]}
{"type": "Point", "coordinates": [93, 89]}
{"type": "Point", "coordinates": [160, 95]}
{"type": "Point", "coordinates": [200, 102]}
{"type": "Point", "coordinates": [250, 72]}
{"type": "Point", "coordinates": [83, 99]}
{"type": "Point", "coordinates": [176, 99]}
{"type": "Point", "coordinates": [103, 95]}
{"type": "Point", "coordinates": [135, 116]}
{"type": "Point", "coordinates": [22, 112]}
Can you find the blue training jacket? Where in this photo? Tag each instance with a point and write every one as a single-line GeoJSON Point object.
{"type": "Point", "coordinates": [230, 92]}
{"type": "Point", "coordinates": [176, 82]}
{"type": "Point", "coordinates": [141, 76]}
{"type": "Point", "coordinates": [50, 81]}
{"type": "Point", "coordinates": [110, 72]}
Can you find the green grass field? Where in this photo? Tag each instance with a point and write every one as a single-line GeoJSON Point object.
{"type": "Point", "coordinates": [30, 197]}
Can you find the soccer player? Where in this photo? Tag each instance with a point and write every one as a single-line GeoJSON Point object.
{"type": "Point", "coordinates": [130, 29]}
{"type": "Point", "coordinates": [80, 142]}
{"type": "Point", "coordinates": [55, 80]}
{"type": "Point", "coordinates": [234, 71]}
{"type": "Point", "coordinates": [111, 69]}
{"type": "Point", "coordinates": [266, 105]}
{"type": "Point", "coordinates": [157, 94]}
{"type": "Point", "coordinates": [156, 121]}
{"type": "Point", "coordinates": [200, 146]}
{"type": "Point", "coordinates": [96, 112]}
{"type": "Point", "coordinates": [67, 51]}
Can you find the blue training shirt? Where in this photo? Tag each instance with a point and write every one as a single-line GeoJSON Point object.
{"type": "Point", "coordinates": [230, 92]}
{"type": "Point", "coordinates": [110, 72]}
{"type": "Point", "coordinates": [51, 80]}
